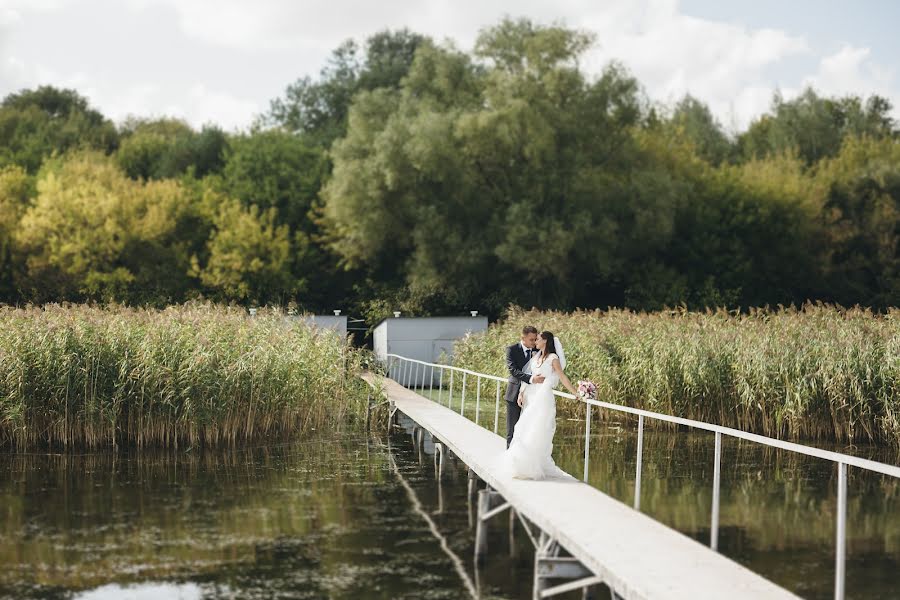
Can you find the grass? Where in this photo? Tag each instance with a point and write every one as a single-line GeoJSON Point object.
{"type": "Point", "coordinates": [815, 373]}
{"type": "Point", "coordinates": [197, 374]}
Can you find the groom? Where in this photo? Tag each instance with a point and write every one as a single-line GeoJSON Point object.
{"type": "Point", "coordinates": [517, 358]}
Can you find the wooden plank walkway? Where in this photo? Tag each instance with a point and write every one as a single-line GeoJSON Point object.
{"type": "Point", "coordinates": [636, 556]}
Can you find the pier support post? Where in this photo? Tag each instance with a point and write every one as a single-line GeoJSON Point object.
{"type": "Point", "coordinates": [484, 503]}
{"type": "Point", "coordinates": [392, 415]}
{"type": "Point", "coordinates": [473, 483]}
{"type": "Point", "coordinates": [549, 563]}
{"type": "Point", "coordinates": [490, 504]}
{"type": "Point", "coordinates": [512, 532]}
{"type": "Point", "coordinates": [438, 460]}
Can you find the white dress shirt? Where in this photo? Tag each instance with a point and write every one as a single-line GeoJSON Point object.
{"type": "Point", "coordinates": [525, 349]}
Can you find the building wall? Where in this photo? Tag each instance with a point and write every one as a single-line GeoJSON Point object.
{"type": "Point", "coordinates": [337, 324]}
{"type": "Point", "coordinates": [423, 338]}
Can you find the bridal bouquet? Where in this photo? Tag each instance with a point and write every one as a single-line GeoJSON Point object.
{"type": "Point", "coordinates": [587, 390]}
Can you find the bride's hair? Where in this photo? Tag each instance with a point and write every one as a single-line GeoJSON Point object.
{"type": "Point", "coordinates": [551, 347]}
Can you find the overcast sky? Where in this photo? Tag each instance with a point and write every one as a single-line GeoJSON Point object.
{"type": "Point", "coordinates": [222, 61]}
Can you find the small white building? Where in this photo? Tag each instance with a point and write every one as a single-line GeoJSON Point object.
{"type": "Point", "coordinates": [423, 338]}
{"type": "Point", "coordinates": [336, 323]}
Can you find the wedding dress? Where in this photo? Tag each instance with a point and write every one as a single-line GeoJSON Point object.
{"type": "Point", "coordinates": [529, 454]}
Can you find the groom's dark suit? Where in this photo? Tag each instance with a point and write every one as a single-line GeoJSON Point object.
{"type": "Point", "coordinates": [516, 360]}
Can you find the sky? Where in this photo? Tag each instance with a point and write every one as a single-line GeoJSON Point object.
{"type": "Point", "coordinates": [223, 61]}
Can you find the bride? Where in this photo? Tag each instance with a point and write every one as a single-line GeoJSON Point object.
{"type": "Point", "coordinates": [528, 456]}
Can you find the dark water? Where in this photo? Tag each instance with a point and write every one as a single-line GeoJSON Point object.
{"type": "Point", "coordinates": [348, 517]}
{"type": "Point", "coordinates": [333, 517]}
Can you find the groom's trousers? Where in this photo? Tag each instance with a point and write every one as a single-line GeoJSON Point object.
{"type": "Point", "coordinates": [513, 410]}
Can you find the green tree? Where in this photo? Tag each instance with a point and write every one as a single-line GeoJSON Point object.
{"type": "Point", "coordinates": [249, 255]}
{"type": "Point", "coordinates": [815, 126]}
{"type": "Point", "coordinates": [696, 121]}
{"type": "Point", "coordinates": [92, 232]}
{"type": "Point", "coordinates": [35, 124]}
{"type": "Point", "coordinates": [275, 169]}
{"type": "Point", "coordinates": [16, 190]}
{"type": "Point", "coordinates": [319, 107]}
{"type": "Point", "coordinates": [477, 185]}
{"type": "Point", "coordinates": [861, 216]}
{"type": "Point", "coordinates": [168, 148]}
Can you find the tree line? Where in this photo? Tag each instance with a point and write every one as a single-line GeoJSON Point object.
{"type": "Point", "coordinates": [410, 175]}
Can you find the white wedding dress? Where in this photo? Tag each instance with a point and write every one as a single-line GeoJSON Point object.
{"type": "Point", "coordinates": [529, 454]}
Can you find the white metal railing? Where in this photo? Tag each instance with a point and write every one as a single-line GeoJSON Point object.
{"type": "Point", "coordinates": [408, 371]}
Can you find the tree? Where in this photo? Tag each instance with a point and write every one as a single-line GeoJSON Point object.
{"type": "Point", "coordinates": [861, 216]}
{"type": "Point", "coordinates": [815, 126]}
{"type": "Point", "coordinates": [696, 121]}
{"type": "Point", "coordinates": [275, 169]}
{"type": "Point", "coordinates": [16, 190]}
{"type": "Point", "coordinates": [35, 124]}
{"type": "Point", "coordinates": [249, 255]}
{"type": "Point", "coordinates": [447, 184]}
{"type": "Point", "coordinates": [319, 108]}
{"type": "Point", "coordinates": [168, 148]}
{"type": "Point", "coordinates": [93, 233]}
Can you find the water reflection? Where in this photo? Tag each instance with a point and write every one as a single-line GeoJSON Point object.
{"type": "Point", "coordinates": [348, 516]}
{"type": "Point", "coordinates": [326, 518]}
{"type": "Point", "coordinates": [149, 591]}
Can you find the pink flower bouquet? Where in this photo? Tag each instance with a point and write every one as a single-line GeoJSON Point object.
{"type": "Point", "coordinates": [587, 390]}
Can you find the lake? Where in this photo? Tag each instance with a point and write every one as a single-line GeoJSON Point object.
{"type": "Point", "coordinates": [353, 516]}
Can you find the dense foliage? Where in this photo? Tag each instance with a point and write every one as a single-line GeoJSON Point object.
{"type": "Point", "coordinates": [819, 373]}
{"type": "Point", "coordinates": [196, 374]}
{"type": "Point", "coordinates": [412, 176]}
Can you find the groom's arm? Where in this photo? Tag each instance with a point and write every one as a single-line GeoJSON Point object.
{"type": "Point", "coordinates": [513, 369]}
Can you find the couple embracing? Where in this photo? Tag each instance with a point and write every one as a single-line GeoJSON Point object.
{"type": "Point", "coordinates": [535, 366]}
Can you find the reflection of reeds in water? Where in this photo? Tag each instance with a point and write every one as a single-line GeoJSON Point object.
{"type": "Point", "coordinates": [777, 498]}
{"type": "Point", "coordinates": [81, 520]}
{"type": "Point", "coordinates": [80, 376]}
{"type": "Point", "coordinates": [819, 373]}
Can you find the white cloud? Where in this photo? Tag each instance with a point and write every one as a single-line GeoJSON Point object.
{"type": "Point", "coordinates": [244, 53]}
{"type": "Point", "coordinates": [218, 107]}
{"type": "Point", "coordinates": [851, 70]}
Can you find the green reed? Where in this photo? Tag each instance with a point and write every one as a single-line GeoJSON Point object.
{"type": "Point", "coordinates": [81, 376]}
{"type": "Point", "coordinates": [815, 373]}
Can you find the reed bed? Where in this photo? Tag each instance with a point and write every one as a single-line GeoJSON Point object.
{"type": "Point", "coordinates": [814, 373]}
{"type": "Point", "coordinates": [197, 374]}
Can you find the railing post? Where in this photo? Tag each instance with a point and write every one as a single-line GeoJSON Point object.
{"type": "Point", "coordinates": [404, 379]}
{"type": "Point", "coordinates": [840, 554]}
{"type": "Point", "coordinates": [477, 398]}
{"type": "Point", "coordinates": [450, 399]}
{"type": "Point", "coordinates": [640, 460]}
{"type": "Point", "coordinates": [717, 475]}
{"type": "Point", "coordinates": [431, 382]}
{"type": "Point", "coordinates": [462, 406]}
{"type": "Point", "coordinates": [587, 440]}
{"type": "Point", "coordinates": [441, 387]}
{"type": "Point", "coordinates": [497, 409]}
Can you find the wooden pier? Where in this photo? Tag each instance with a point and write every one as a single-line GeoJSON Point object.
{"type": "Point", "coordinates": [582, 537]}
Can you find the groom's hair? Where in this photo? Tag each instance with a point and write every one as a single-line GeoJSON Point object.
{"type": "Point", "coordinates": [529, 329]}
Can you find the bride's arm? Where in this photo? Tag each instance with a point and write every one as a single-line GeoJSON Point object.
{"type": "Point", "coordinates": [562, 376]}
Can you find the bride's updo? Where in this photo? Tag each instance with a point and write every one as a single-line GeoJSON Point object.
{"type": "Point", "coordinates": [550, 348]}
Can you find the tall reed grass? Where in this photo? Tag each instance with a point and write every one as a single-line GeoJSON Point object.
{"type": "Point", "coordinates": [81, 376]}
{"type": "Point", "coordinates": [815, 373]}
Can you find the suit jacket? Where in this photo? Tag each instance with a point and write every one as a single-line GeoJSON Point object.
{"type": "Point", "coordinates": [516, 361]}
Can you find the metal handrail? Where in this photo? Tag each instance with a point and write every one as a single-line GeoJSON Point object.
{"type": "Point", "coordinates": [842, 460]}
